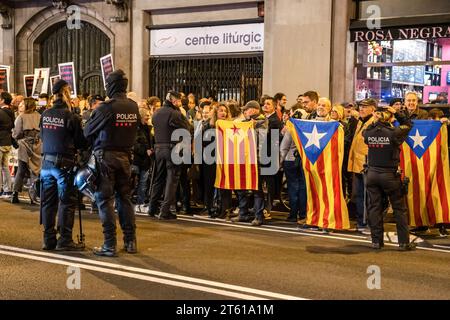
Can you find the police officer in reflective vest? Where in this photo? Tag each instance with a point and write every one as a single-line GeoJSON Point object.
{"type": "Point", "coordinates": [62, 136]}
{"type": "Point", "coordinates": [383, 177]}
{"type": "Point", "coordinates": [112, 130]}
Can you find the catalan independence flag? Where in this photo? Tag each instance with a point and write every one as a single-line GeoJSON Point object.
{"type": "Point", "coordinates": [236, 156]}
{"type": "Point", "coordinates": [321, 147]}
{"type": "Point", "coordinates": [424, 160]}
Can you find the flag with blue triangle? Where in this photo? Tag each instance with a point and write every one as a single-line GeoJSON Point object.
{"type": "Point", "coordinates": [424, 160]}
{"type": "Point", "coordinates": [321, 147]}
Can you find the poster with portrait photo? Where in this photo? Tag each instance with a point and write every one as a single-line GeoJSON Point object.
{"type": "Point", "coordinates": [67, 73]}
{"type": "Point", "coordinates": [107, 65]}
{"type": "Point", "coordinates": [40, 81]}
{"type": "Point", "coordinates": [28, 81]}
{"type": "Point", "coordinates": [53, 80]}
{"type": "Point", "coordinates": [4, 78]}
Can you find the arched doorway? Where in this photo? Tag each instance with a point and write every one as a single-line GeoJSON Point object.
{"type": "Point", "coordinates": [83, 46]}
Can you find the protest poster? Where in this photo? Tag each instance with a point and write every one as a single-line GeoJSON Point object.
{"type": "Point", "coordinates": [40, 83]}
{"type": "Point", "coordinates": [28, 81]}
{"type": "Point", "coordinates": [67, 73]}
{"type": "Point", "coordinates": [107, 65]}
{"type": "Point", "coordinates": [4, 78]}
{"type": "Point", "coordinates": [53, 80]}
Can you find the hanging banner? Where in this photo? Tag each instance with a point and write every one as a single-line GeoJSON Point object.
{"type": "Point", "coordinates": [28, 81]}
{"type": "Point", "coordinates": [53, 80]}
{"type": "Point", "coordinates": [107, 65]}
{"type": "Point", "coordinates": [215, 39]}
{"type": "Point", "coordinates": [67, 73]}
{"type": "Point", "coordinates": [40, 83]}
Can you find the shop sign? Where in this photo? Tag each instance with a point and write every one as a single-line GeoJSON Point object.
{"type": "Point", "coordinates": [401, 33]}
{"type": "Point", "coordinates": [200, 40]}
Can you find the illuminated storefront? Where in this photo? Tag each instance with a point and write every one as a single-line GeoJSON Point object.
{"type": "Point", "coordinates": [399, 55]}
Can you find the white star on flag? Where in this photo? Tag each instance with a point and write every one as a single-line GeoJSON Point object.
{"type": "Point", "coordinates": [314, 137]}
{"type": "Point", "coordinates": [418, 139]}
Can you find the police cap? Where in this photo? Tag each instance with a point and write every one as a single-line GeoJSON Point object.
{"type": "Point", "coordinates": [59, 85]}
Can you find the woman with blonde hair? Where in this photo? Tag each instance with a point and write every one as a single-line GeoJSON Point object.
{"type": "Point", "coordinates": [26, 132]}
{"type": "Point", "coordinates": [220, 111]}
{"type": "Point", "coordinates": [337, 113]}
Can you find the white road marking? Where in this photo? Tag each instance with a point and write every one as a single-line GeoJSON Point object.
{"type": "Point", "coordinates": [278, 229]}
{"type": "Point", "coordinates": [137, 273]}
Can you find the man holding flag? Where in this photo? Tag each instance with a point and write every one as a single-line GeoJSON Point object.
{"type": "Point", "coordinates": [321, 148]}
{"type": "Point", "coordinates": [424, 160]}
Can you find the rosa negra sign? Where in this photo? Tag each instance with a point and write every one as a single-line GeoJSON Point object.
{"type": "Point", "coordinates": [217, 39]}
{"type": "Point", "coordinates": [401, 33]}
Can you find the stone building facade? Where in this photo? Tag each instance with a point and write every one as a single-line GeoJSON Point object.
{"type": "Point", "coordinates": [306, 42]}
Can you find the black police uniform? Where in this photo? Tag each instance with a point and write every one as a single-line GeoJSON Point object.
{"type": "Point", "coordinates": [165, 121]}
{"type": "Point", "coordinates": [384, 143]}
{"type": "Point", "coordinates": [61, 135]}
{"type": "Point", "coordinates": [112, 130]}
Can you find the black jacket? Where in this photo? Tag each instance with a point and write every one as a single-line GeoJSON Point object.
{"type": "Point", "coordinates": [142, 144]}
{"type": "Point", "coordinates": [384, 141]}
{"type": "Point", "coordinates": [166, 120]}
{"type": "Point", "coordinates": [6, 125]}
{"type": "Point", "coordinates": [61, 131]}
{"type": "Point", "coordinates": [113, 125]}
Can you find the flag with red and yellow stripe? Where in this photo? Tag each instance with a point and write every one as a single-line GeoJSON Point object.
{"type": "Point", "coordinates": [424, 160]}
{"type": "Point", "coordinates": [236, 156]}
{"type": "Point", "coordinates": [321, 147]}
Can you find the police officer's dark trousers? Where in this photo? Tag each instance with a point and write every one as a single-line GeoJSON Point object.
{"type": "Point", "coordinates": [386, 181]}
{"type": "Point", "coordinates": [114, 183]}
{"type": "Point", "coordinates": [167, 176]}
{"type": "Point", "coordinates": [58, 196]}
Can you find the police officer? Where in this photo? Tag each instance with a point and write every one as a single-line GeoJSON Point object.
{"type": "Point", "coordinates": [384, 141]}
{"type": "Point", "coordinates": [61, 135]}
{"type": "Point", "coordinates": [165, 121]}
{"type": "Point", "coordinates": [112, 130]}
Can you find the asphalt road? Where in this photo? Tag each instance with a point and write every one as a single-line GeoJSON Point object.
{"type": "Point", "coordinates": [202, 259]}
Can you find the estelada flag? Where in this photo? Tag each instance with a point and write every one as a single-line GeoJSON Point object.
{"type": "Point", "coordinates": [236, 156]}
{"type": "Point", "coordinates": [321, 147]}
{"type": "Point", "coordinates": [424, 160]}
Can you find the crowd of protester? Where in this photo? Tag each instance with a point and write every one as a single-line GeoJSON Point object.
{"type": "Point", "coordinates": [19, 129]}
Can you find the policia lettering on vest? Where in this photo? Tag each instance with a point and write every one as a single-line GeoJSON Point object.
{"type": "Point", "coordinates": [383, 176]}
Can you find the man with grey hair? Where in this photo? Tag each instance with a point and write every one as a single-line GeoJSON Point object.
{"type": "Point", "coordinates": [412, 105]}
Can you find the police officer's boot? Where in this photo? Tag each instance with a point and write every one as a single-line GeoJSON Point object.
{"type": "Point", "coordinates": [69, 246]}
{"type": "Point", "coordinates": [130, 246]}
{"type": "Point", "coordinates": [15, 197]}
{"type": "Point", "coordinates": [105, 251]}
{"type": "Point", "coordinates": [406, 246]}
